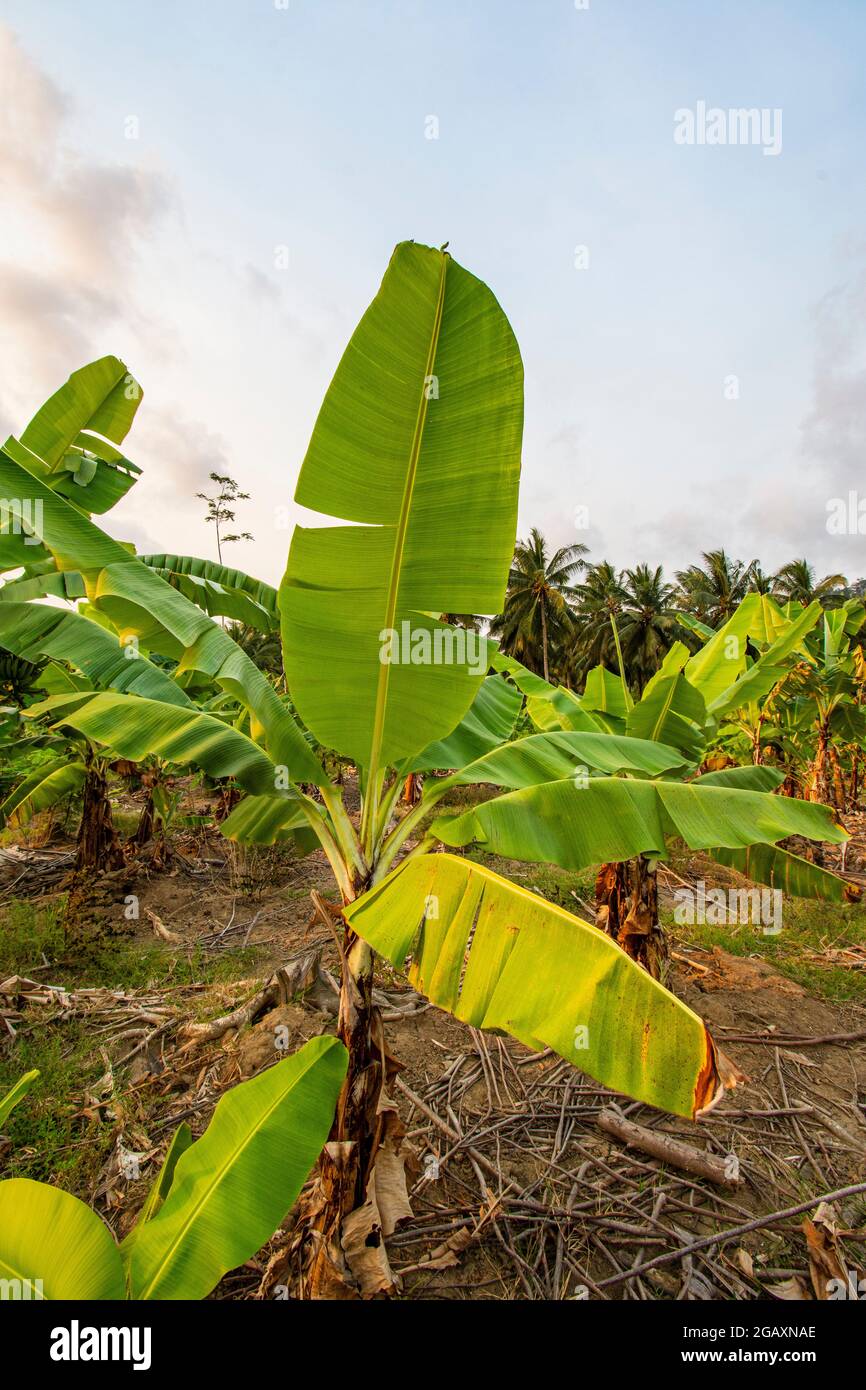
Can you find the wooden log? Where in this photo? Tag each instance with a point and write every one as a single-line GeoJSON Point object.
{"type": "Point", "coordinates": [668, 1150]}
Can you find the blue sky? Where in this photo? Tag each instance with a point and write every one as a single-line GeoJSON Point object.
{"type": "Point", "coordinates": [305, 127]}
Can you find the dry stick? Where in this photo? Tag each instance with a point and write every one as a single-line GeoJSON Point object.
{"type": "Point", "coordinates": [669, 1150]}
{"type": "Point", "coordinates": [790, 1040]}
{"type": "Point", "coordinates": [796, 1128]}
{"type": "Point", "coordinates": [735, 1231]}
{"type": "Point", "coordinates": [453, 1134]}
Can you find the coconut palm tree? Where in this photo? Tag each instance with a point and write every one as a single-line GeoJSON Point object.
{"type": "Point", "coordinates": [536, 612]}
{"type": "Point", "coordinates": [648, 626]}
{"type": "Point", "coordinates": [796, 582]}
{"type": "Point", "coordinates": [600, 597]}
{"type": "Point", "coordinates": [713, 590]}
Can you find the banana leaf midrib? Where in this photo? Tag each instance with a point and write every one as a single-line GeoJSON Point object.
{"type": "Point", "coordinates": [402, 527]}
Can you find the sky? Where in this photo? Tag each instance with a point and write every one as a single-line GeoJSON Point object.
{"type": "Point", "coordinates": [211, 190]}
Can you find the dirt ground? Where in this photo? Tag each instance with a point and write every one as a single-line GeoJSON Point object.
{"type": "Point", "coordinates": [516, 1191]}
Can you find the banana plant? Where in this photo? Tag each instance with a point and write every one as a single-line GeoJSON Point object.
{"type": "Point", "coordinates": [415, 458]}
{"type": "Point", "coordinates": [215, 1201]}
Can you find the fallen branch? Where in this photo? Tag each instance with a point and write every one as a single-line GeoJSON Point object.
{"type": "Point", "coordinates": [733, 1232]}
{"type": "Point", "coordinates": [668, 1150]}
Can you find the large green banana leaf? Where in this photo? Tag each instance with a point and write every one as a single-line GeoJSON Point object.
{"type": "Point", "coordinates": [34, 631]}
{"type": "Point", "coordinates": [487, 723]}
{"type": "Point", "coordinates": [234, 1185]}
{"type": "Point", "coordinates": [16, 1094]}
{"type": "Point", "coordinates": [611, 818]}
{"type": "Point", "coordinates": [788, 872]}
{"type": "Point", "coordinates": [498, 956]}
{"type": "Point", "coordinates": [552, 757]}
{"type": "Point", "coordinates": [141, 604]}
{"type": "Point", "coordinates": [136, 728]}
{"type": "Point", "coordinates": [715, 668]}
{"type": "Point", "coordinates": [49, 1236]}
{"type": "Point", "coordinates": [672, 711]}
{"type": "Point", "coordinates": [43, 787]}
{"type": "Point", "coordinates": [418, 438]}
{"type": "Point", "coordinates": [181, 1140]}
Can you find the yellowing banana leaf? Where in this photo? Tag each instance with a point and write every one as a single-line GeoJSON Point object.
{"type": "Point", "coordinates": [55, 1246]}
{"type": "Point", "coordinates": [788, 872]}
{"type": "Point", "coordinates": [136, 728]}
{"type": "Point", "coordinates": [611, 818]}
{"type": "Point", "coordinates": [418, 439]}
{"type": "Point", "coordinates": [498, 956]}
{"type": "Point", "coordinates": [488, 722]}
{"type": "Point", "coordinates": [42, 788]}
{"type": "Point", "coordinates": [234, 1185]}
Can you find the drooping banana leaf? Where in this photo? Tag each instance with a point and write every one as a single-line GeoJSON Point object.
{"type": "Point", "coordinates": [418, 439]}
{"type": "Point", "coordinates": [43, 581]}
{"type": "Point", "coordinates": [235, 1184]}
{"type": "Point", "coordinates": [219, 590]}
{"type": "Point", "coordinates": [550, 707]}
{"type": "Point", "coordinates": [488, 722]}
{"type": "Point", "coordinates": [477, 942]}
{"type": "Point", "coordinates": [753, 779]}
{"type": "Point", "coordinates": [552, 757]}
{"type": "Point", "coordinates": [613, 819]}
{"type": "Point", "coordinates": [35, 631]}
{"type": "Point", "coordinates": [788, 872]}
{"type": "Point", "coordinates": [137, 728]}
{"type": "Point", "coordinates": [55, 1244]}
{"type": "Point", "coordinates": [268, 820]}
{"type": "Point", "coordinates": [42, 788]}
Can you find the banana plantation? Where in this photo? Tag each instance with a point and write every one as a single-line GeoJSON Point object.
{"type": "Point", "coordinates": [464, 918]}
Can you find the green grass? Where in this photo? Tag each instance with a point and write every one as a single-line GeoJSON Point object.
{"type": "Point", "coordinates": [806, 927]}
